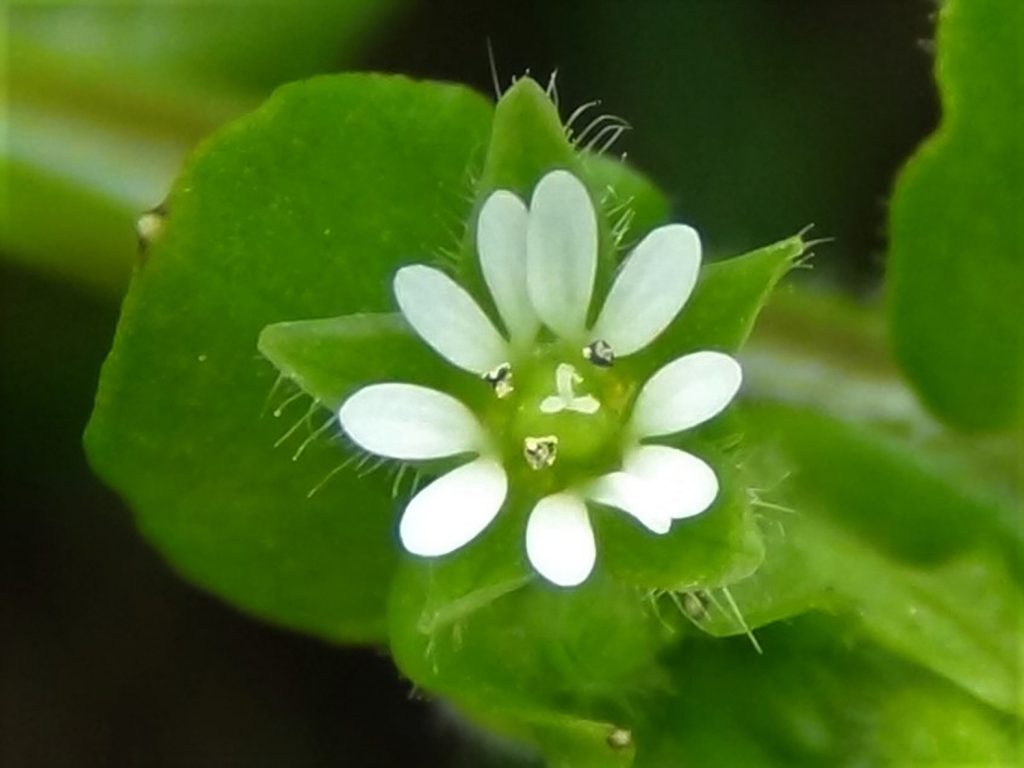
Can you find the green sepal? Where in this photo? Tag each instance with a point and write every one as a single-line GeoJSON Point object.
{"type": "Point", "coordinates": [819, 695]}
{"type": "Point", "coordinates": [862, 526]}
{"type": "Point", "coordinates": [629, 194]}
{"type": "Point", "coordinates": [725, 303]}
{"type": "Point", "coordinates": [328, 359]}
{"type": "Point", "coordinates": [527, 141]}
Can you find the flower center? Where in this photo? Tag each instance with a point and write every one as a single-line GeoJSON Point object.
{"type": "Point", "coordinates": [562, 421]}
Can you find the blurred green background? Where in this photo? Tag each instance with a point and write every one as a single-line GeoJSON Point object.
{"type": "Point", "coordinates": [758, 117]}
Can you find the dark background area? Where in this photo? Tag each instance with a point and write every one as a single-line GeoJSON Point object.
{"type": "Point", "coordinates": [757, 117]}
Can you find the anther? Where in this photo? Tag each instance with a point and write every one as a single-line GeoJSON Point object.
{"type": "Point", "coordinates": [620, 738]}
{"type": "Point", "coordinates": [540, 452]}
{"type": "Point", "coordinates": [599, 353]}
{"type": "Point", "coordinates": [149, 226]}
{"type": "Point", "coordinates": [695, 606]}
{"type": "Point", "coordinates": [501, 380]}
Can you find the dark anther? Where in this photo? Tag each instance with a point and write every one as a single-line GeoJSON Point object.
{"type": "Point", "coordinates": [599, 353]}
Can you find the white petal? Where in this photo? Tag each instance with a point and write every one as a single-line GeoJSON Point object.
{"type": "Point", "coordinates": [405, 421]}
{"type": "Point", "coordinates": [454, 509]}
{"type": "Point", "coordinates": [501, 243]}
{"type": "Point", "coordinates": [447, 318]}
{"type": "Point", "coordinates": [632, 495]}
{"type": "Point", "coordinates": [651, 288]}
{"type": "Point", "coordinates": [561, 253]}
{"type": "Point", "coordinates": [686, 392]}
{"type": "Point", "coordinates": [560, 541]}
{"type": "Point", "coordinates": [685, 485]}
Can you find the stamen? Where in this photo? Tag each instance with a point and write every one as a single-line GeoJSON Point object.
{"type": "Point", "coordinates": [540, 452]}
{"type": "Point", "coordinates": [600, 353]}
{"type": "Point", "coordinates": [501, 380]}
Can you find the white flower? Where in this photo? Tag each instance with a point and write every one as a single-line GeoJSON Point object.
{"type": "Point", "coordinates": [562, 394]}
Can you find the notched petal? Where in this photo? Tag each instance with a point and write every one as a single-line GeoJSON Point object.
{"type": "Point", "coordinates": [633, 496]}
{"type": "Point", "coordinates": [448, 319]}
{"type": "Point", "coordinates": [501, 244]}
{"type": "Point", "coordinates": [686, 392]}
{"type": "Point", "coordinates": [410, 422]}
{"type": "Point", "coordinates": [559, 540]}
{"type": "Point", "coordinates": [650, 289]}
{"type": "Point", "coordinates": [683, 484]}
{"type": "Point", "coordinates": [561, 253]}
{"type": "Point", "coordinates": [454, 509]}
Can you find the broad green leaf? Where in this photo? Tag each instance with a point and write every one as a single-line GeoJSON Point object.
{"type": "Point", "coordinates": [957, 235]}
{"type": "Point", "coordinates": [488, 631]}
{"type": "Point", "coordinates": [561, 669]}
{"type": "Point", "coordinates": [862, 527]}
{"type": "Point", "coordinates": [819, 695]}
{"type": "Point", "coordinates": [303, 209]}
{"type": "Point", "coordinates": [914, 509]}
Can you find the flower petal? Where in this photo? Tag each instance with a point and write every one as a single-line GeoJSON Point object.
{"type": "Point", "coordinates": [561, 253]}
{"type": "Point", "coordinates": [685, 485]}
{"type": "Point", "coordinates": [686, 392]}
{"type": "Point", "coordinates": [454, 509]}
{"type": "Point", "coordinates": [405, 421]}
{"type": "Point", "coordinates": [632, 495]}
{"type": "Point", "coordinates": [651, 288]}
{"type": "Point", "coordinates": [448, 319]}
{"type": "Point", "coordinates": [560, 541]}
{"type": "Point", "coordinates": [501, 243]}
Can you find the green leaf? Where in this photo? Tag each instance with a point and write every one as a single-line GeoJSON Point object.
{"type": "Point", "coordinates": [865, 527]}
{"type": "Point", "coordinates": [819, 695]}
{"type": "Point", "coordinates": [303, 209]}
{"type": "Point", "coordinates": [494, 634]}
{"type": "Point", "coordinates": [560, 669]}
{"type": "Point", "coordinates": [957, 261]}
